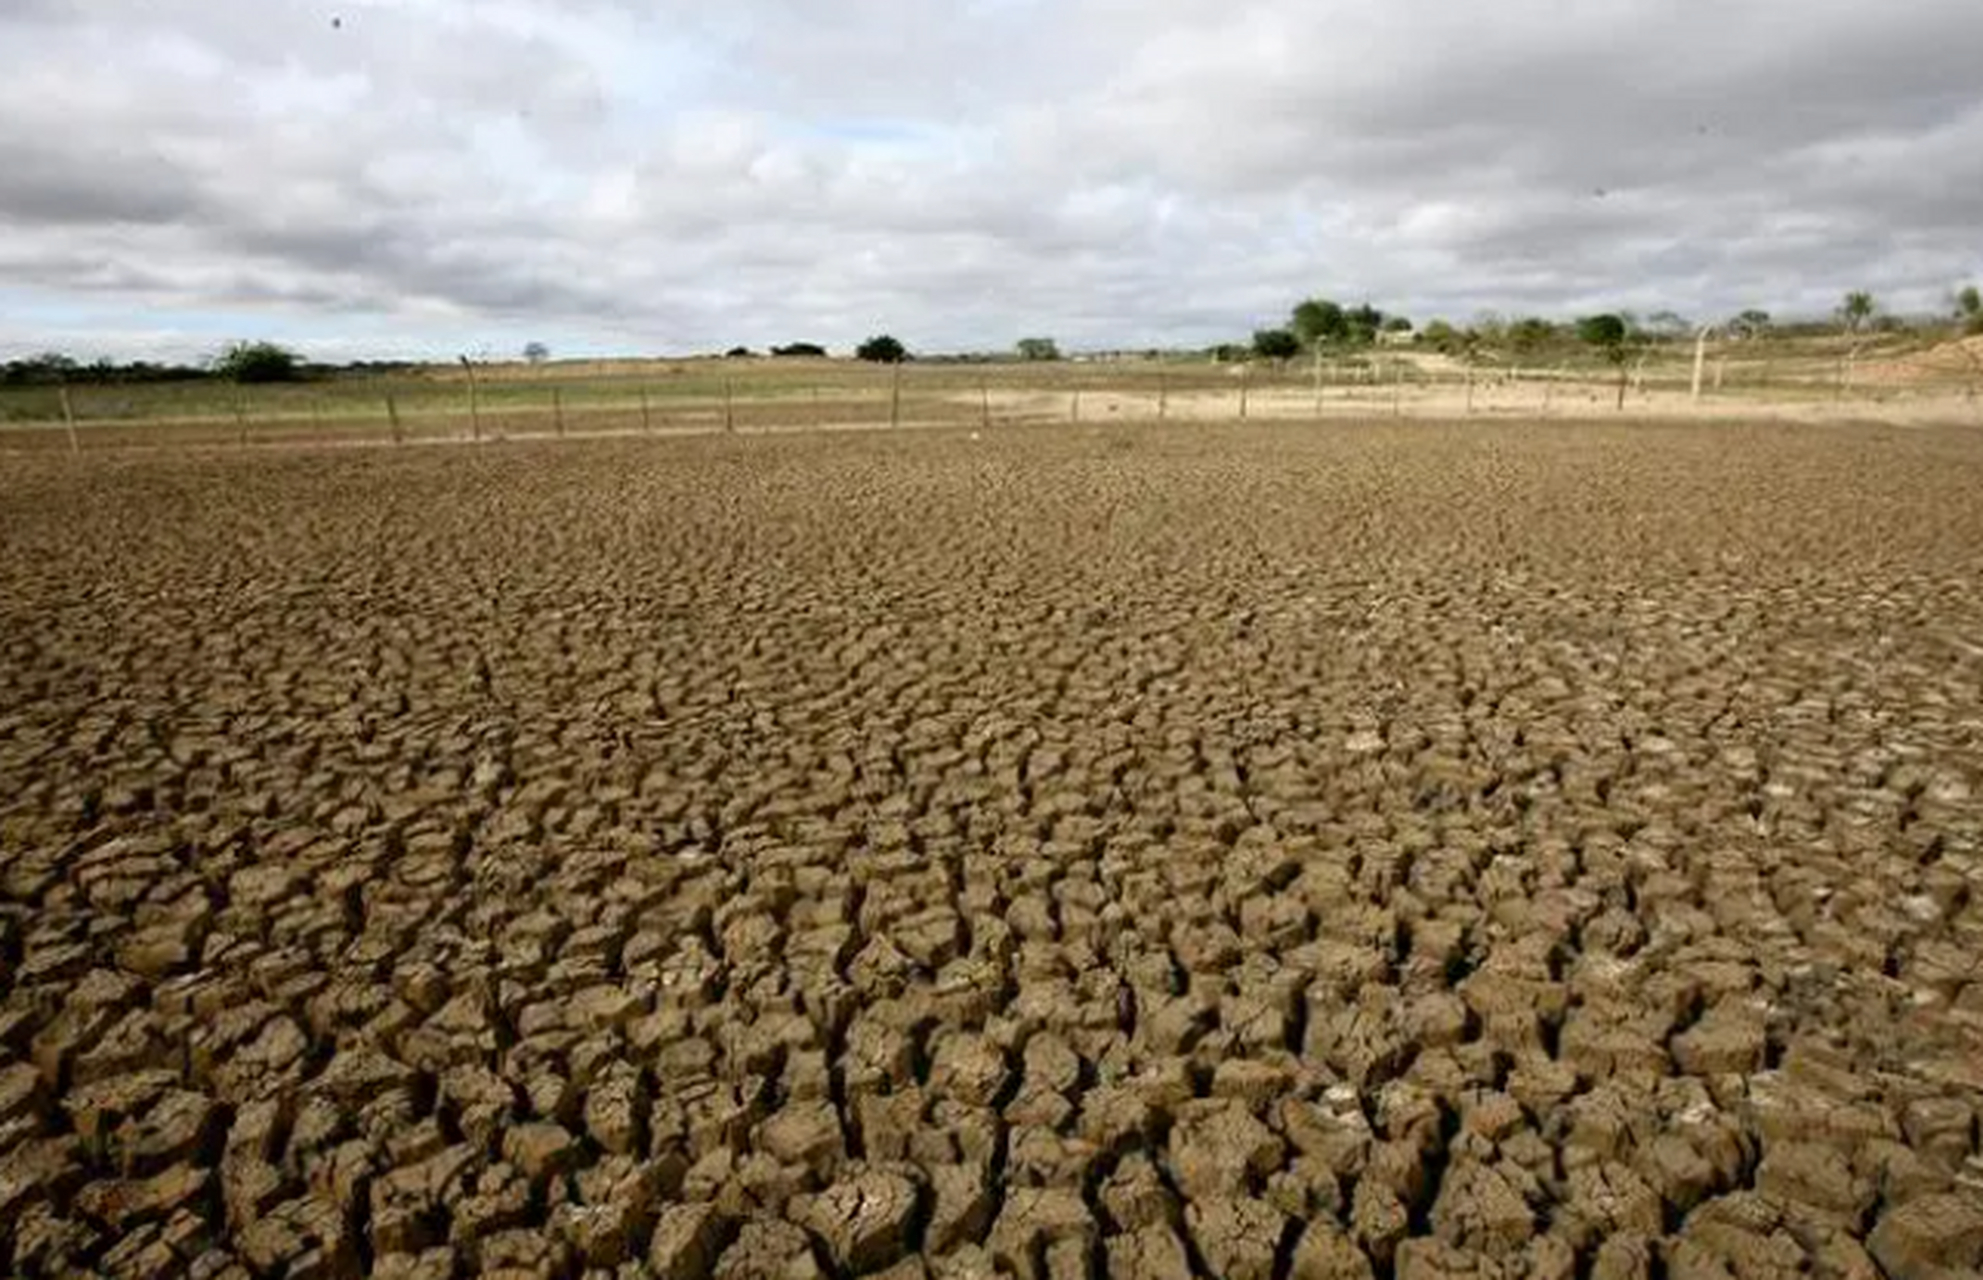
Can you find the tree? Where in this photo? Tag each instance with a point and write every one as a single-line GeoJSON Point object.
{"type": "Point", "coordinates": [1749, 324]}
{"type": "Point", "coordinates": [1856, 311]}
{"type": "Point", "coordinates": [1363, 321]}
{"type": "Point", "coordinates": [799, 349]}
{"type": "Point", "coordinates": [882, 349]}
{"type": "Point", "coordinates": [258, 362]}
{"type": "Point", "coordinates": [1276, 344]}
{"type": "Point", "coordinates": [738, 353]}
{"type": "Point", "coordinates": [536, 352]}
{"type": "Point", "coordinates": [1440, 336]}
{"type": "Point", "coordinates": [1608, 333]}
{"type": "Point", "coordinates": [1969, 309]}
{"type": "Point", "coordinates": [1037, 349]}
{"type": "Point", "coordinates": [1529, 335]}
{"type": "Point", "coordinates": [1319, 320]}
{"type": "Point", "coordinates": [1397, 324]}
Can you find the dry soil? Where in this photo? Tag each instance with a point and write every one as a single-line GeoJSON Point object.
{"type": "Point", "coordinates": [1421, 851]}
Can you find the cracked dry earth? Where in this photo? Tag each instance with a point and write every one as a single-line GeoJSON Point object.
{"type": "Point", "coordinates": [1413, 851]}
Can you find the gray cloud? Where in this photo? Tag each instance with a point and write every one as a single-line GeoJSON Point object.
{"type": "Point", "coordinates": [448, 173]}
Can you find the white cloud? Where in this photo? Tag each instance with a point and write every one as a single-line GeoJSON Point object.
{"type": "Point", "coordinates": [608, 174]}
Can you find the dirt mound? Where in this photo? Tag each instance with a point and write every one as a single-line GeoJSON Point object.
{"type": "Point", "coordinates": [1956, 363]}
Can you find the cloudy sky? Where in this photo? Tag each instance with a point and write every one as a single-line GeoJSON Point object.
{"type": "Point", "coordinates": [424, 177]}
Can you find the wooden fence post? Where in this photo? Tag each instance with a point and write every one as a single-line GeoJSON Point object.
{"type": "Point", "coordinates": [1163, 395]}
{"type": "Point", "coordinates": [1469, 390]}
{"type": "Point", "coordinates": [984, 402]}
{"type": "Point", "coordinates": [69, 421]}
{"type": "Point", "coordinates": [392, 415]}
{"type": "Point", "coordinates": [646, 415]}
{"type": "Point", "coordinates": [558, 410]}
{"type": "Point", "coordinates": [729, 405]}
{"type": "Point", "coordinates": [1245, 385]}
{"type": "Point", "coordinates": [895, 396]}
{"type": "Point", "coordinates": [474, 400]}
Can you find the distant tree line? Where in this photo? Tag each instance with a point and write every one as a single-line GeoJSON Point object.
{"type": "Point", "coordinates": [240, 362]}
{"type": "Point", "coordinates": [1314, 326]}
{"type": "Point", "coordinates": [52, 369]}
{"type": "Point", "coordinates": [1325, 326]}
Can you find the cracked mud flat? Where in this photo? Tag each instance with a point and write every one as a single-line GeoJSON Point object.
{"type": "Point", "coordinates": [1418, 851]}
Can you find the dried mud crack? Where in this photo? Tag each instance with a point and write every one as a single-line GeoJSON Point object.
{"type": "Point", "coordinates": [1322, 852]}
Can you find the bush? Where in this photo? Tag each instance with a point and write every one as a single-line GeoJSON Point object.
{"type": "Point", "coordinates": [882, 349]}
{"type": "Point", "coordinates": [1969, 309]}
{"type": "Point", "coordinates": [258, 362]}
{"type": "Point", "coordinates": [799, 349]}
{"type": "Point", "coordinates": [1605, 332]}
{"type": "Point", "coordinates": [1530, 334]}
{"type": "Point", "coordinates": [1442, 337]}
{"type": "Point", "coordinates": [1276, 344]}
{"type": "Point", "coordinates": [1038, 349]}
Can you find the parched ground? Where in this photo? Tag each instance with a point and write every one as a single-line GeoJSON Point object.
{"type": "Point", "coordinates": [1338, 851]}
